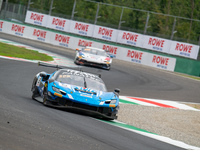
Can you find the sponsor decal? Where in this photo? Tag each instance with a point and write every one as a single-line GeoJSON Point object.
{"type": "Point", "coordinates": [156, 43]}
{"type": "Point", "coordinates": [37, 18]}
{"type": "Point", "coordinates": [82, 28]}
{"type": "Point", "coordinates": [110, 49]}
{"type": "Point", "coordinates": [184, 49]}
{"type": "Point", "coordinates": [57, 94]}
{"type": "Point", "coordinates": [62, 39]}
{"type": "Point", "coordinates": [59, 23]}
{"type": "Point", "coordinates": [84, 43]}
{"type": "Point", "coordinates": [135, 56]}
{"type": "Point", "coordinates": [19, 30]}
{"type": "Point", "coordinates": [41, 35]}
{"type": "Point", "coordinates": [106, 33]}
{"type": "Point", "coordinates": [112, 105]}
{"type": "Point", "coordinates": [70, 96]}
{"type": "Point", "coordinates": [90, 96]}
{"type": "Point", "coordinates": [1, 25]}
{"type": "Point", "coordinates": [130, 37]}
{"type": "Point", "coordinates": [162, 62]}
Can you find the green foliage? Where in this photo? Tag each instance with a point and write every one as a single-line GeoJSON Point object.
{"type": "Point", "coordinates": [133, 20]}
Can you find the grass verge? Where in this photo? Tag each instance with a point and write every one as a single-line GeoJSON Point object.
{"type": "Point", "coordinates": [21, 52]}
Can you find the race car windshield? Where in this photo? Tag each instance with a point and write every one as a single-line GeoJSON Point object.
{"type": "Point", "coordinates": [95, 52]}
{"type": "Point", "coordinates": [95, 85]}
{"type": "Point", "coordinates": [71, 79]}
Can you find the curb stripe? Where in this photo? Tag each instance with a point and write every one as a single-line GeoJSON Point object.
{"type": "Point", "coordinates": [119, 124]}
{"type": "Point", "coordinates": [127, 102]}
{"type": "Point", "coordinates": [154, 103]}
{"type": "Point", "coordinates": [151, 135]}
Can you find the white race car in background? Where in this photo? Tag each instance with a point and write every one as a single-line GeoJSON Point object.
{"type": "Point", "coordinates": [93, 57]}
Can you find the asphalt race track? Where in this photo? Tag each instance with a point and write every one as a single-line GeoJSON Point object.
{"type": "Point", "coordinates": [27, 124]}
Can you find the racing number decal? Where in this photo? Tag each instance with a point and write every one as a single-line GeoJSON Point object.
{"type": "Point", "coordinates": [38, 81]}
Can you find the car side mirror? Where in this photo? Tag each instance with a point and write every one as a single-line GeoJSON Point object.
{"type": "Point", "coordinates": [44, 76]}
{"type": "Point", "coordinates": [117, 90]}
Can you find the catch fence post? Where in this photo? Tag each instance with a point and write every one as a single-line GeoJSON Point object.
{"type": "Point", "coordinates": [174, 25]}
{"type": "Point", "coordinates": [51, 7]}
{"type": "Point", "coordinates": [73, 10]}
{"type": "Point", "coordinates": [96, 16]}
{"type": "Point", "coordinates": [147, 21]}
{"type": "Point", "coordinates": [120, 21]}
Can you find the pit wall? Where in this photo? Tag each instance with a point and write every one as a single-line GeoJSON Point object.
{"type": "Point", "coordinates": [131, 54]}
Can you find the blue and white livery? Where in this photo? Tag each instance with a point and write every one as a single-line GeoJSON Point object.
{"type": "Point", "coordinates": [78, 90]}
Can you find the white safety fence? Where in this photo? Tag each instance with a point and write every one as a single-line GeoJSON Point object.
{"type": "Point", "coordinates": [114, 35]}
{"type": "Point", "coordinates": [118, 52]}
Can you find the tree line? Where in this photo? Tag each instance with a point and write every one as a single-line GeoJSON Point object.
{"type": "Point", "coordinates": [134, 15]}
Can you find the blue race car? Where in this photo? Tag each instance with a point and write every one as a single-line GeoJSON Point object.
{"type": "Point", "coordinates": [76, 89]}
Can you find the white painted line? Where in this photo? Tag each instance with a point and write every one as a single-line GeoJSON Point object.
{"type": "Point", "coordinates": [160, 138]}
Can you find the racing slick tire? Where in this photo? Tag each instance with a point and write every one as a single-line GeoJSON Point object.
{"type": "Point", "coordinates": [45, 102]}
{"type": "Point", "coordinates": [34, 89]}
{"type": "Point", "coordinates": [108, 67]}
{"type": "Point", "coordinates": [76, 61]}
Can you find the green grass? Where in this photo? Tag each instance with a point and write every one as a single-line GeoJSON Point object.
{"type": "Point", "coordinates": [20, 52]}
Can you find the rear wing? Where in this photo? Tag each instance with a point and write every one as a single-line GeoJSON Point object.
{"type": "Point", "coordinates": [64, 67]}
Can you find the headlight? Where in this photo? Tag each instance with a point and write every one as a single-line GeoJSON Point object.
{"type": "Point", "coordinates": [107, 59]}
{"type": "Point", "coordinates": [56, 89]}
{"type": "Point", "coordinates": [81, 56]}
{"type": "Point", "coordinates": [113, 101]}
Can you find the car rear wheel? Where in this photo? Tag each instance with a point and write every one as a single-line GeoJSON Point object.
{"type": "Point", "coordinates": [45, 94]}
{"type": "Point", "coordinates": [34, 90]}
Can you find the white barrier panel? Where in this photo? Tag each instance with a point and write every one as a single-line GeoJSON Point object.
{"type": "Point", "coordinates": [1, 26]}
{"type": "Point", "coordinates": [148, 59]}
{"type": "Point", "coordinates": [16, 29]}
{"type": "Point", "coordinates": [111, 49]}
{"type": "Point", "coordinates": [156, 44]}
{"type": "Point", "coordinates": [80, 28]}
{"type": "Point", "coordinates": [36, 18]}
{"type": "Point", "coordinates": [57, 23]}
{"type": "Point", "coordinates": [161, 62]}
{"type": "Point", "coordinates": [105, 33]}
{"type": "Point", "coordinates": [113, 35]}
{"type": "Point", "coordinates": [38, 34]}
{"type": "Point", "coordinates": [184, 49]}
{"type": "Point", "coordinates": [140, 57]}
{"type": "Point", "coordinates": [130, 38]}
{"type": "Point", "coordinates": [79, 43]}
{"type": "Point", "coordinates": [131, 55]}
{"type": "Point", "coordinates": [62, 40]}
